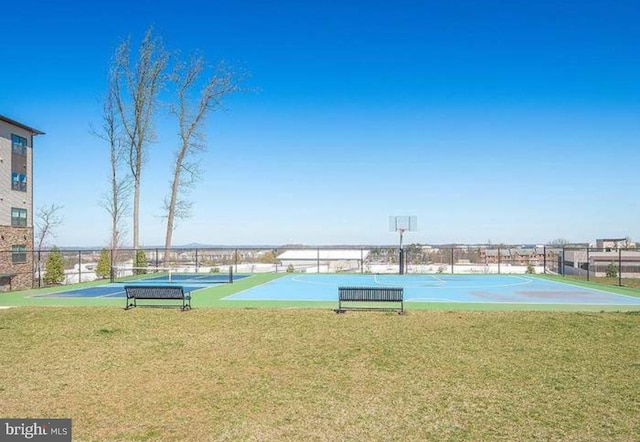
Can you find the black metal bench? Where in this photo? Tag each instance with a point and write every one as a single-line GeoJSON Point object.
{"type": "Point", "coordinates": [370, 298]}
{"type": "Point", "coordinates": [135, 292]}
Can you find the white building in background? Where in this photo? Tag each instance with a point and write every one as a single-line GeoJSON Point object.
{"type": "Point", "coordinates": [609, 244]}
{"type": "Point", "coordinates": [324, 260]}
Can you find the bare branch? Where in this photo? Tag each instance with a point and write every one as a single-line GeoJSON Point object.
{"type": "Point", "coordinates": [114, 201]}
{"type": "Point", "coordinates": [191, 110]}
{"type": "Point", "coordinates": [47, 220]}
{"type": "Point", "coordinates": [135, 89]}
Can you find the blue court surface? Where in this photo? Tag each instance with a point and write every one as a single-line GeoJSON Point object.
{"type": "Point", "coordinates": [188, 282]}
{"type": "Point", "coordinates": [509, 289]}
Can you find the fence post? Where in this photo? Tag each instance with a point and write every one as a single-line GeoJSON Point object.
{"type": "Point", "coordinates": [452, 250]}
{"type": "Point", "coordinates": [544, 260]}
{"type": "Point", "coordinates": [196, 260]}
{"type": "Point", "coordinates": [499, 260]}
{"type": "Point", "coordinates": [111, 272]}
{"type": "Point", "coordinates": [587, 263]}
{"type": "Point", "coordinates": [318, 260]}
{"type": "Point", "coordinates": [236, 260]}
{"type": "Point", "coordinates": [361, 260]}
{"type": "Point", "coordinates": [562, 262]}
{"type": "Point", "coordinates": [620, 267]}
{"type": "Point", "coordinates": [79, 266]}
{"type": "Point", "coordinates": [39, 268]}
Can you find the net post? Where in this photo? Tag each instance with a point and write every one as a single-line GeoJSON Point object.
{"type": "Point", "coordinates": [230, 274]}
{"type": "Point", "coordinates": [236, 259]}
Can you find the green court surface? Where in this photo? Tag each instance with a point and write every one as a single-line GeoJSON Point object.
{"type": "Point", "coordinates": [234, 295]}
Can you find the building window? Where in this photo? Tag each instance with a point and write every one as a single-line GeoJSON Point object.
{"type": "Point", "coordinates": [18, 163]}
{"type": "Point", "coordinates": [18, 217]}
{"type": "Point", "coordinates": [18, 254]}
{"type": "Point", "coordinates": [18, 145]}
{"type": "Point", "coordinates": [19, 181]}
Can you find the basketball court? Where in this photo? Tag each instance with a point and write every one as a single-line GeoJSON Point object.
{"type": "Point", "coordinates": [493, 289]}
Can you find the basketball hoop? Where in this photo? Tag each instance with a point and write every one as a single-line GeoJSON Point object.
{"type": "Point", "coordinates": [402, 224]}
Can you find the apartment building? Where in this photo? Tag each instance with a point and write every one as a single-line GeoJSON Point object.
{"type": "Point", "coordinates": [513, 255]}
{"type": "Point", "coordinates": [16, 204]}
{"type": "Point", "coordinates": [609, 244]}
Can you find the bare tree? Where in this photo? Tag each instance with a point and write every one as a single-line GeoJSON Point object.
{"type": "Point", "coordinates": [115, 200]}
{"type": "Point", "coordinates": [191, 111]}
{"type": "Point", "coordinates": [135, 89]}
{"type": "Point", "coordinates": [47, 220]}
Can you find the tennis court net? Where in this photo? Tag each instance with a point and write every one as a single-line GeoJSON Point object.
{"type": "Point", "coordinates": [171, 274]}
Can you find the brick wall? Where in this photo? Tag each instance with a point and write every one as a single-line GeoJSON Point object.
{"type": "Point", "coordinates": [23, 279]}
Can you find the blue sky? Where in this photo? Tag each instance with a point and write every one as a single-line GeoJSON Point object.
{"type": "Point", "coordinates": [510, 122]}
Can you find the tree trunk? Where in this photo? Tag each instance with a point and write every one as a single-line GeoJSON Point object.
{"type": "Point", "coordinates": [171, 214]}
{"type": "Point", "coordinates": [136, 213]}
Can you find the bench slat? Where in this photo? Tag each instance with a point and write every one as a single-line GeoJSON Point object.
{"type": "Point", "coordinates": [161, 292]}
{"type": "Point", "coordinates": [370, 295]}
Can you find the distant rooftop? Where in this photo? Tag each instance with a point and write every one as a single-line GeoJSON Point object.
{"type": "Point", "coordinates": [20, 125]}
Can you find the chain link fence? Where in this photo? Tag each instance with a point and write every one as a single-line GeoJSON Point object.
{"type": "Point", "coordinates": [604, 265]}
{"type": "Point", "coordinates": [608, 266]}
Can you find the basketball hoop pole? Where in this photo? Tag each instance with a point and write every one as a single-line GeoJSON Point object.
{"type": "Point", "coordinates": [401, 254]}
{"type": "Point", "coordinates": [402, 224]}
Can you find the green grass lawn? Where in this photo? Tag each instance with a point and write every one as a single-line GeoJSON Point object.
{"type": "Point", "coordinates": [153, 374]}
{"type": "Point", "coordinates": [633, 283]}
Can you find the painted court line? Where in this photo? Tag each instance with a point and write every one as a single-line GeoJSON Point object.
{"type": "Point", "coordinates": [472, 289]}
{"type": "Point", "coordinates": [588, 288]}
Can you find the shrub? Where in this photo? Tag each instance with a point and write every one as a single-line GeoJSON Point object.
{"type": "Point", "coordinates": [612, 271]}
{"type": "Point", "coordinates": [54, 273]}
{"type": "Point", "coordinates": [530, 269]}
{"type": "Point", "coordinates": [103, 269]}
{"type": "Point", "coordinates": [290, 268]}
{"type": "Point", "coordinates": [141, 261]}
{"type": "Point", "coordinates": [215, 269]}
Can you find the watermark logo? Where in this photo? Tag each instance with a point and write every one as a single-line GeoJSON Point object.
{"type": "Point", "coordinates": [38, 430]}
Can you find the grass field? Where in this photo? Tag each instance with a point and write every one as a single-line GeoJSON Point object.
{"type": "Point", "coordinates": [307, 374]}
{"type": "Point", "coordinates": [608, 281]}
